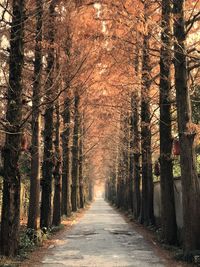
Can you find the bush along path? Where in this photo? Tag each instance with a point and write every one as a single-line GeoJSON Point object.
{"type": "Point", "coordinates": [35, 244]}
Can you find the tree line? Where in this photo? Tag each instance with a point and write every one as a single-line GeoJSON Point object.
{"type": "Point", "coordinates": [156, 119]}
{"type": "Point", "coordinates": [42, 118]}
{"type": "Point", "coordinates": [104, 92]}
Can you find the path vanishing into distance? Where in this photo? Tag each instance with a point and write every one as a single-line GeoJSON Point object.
{"type": "Point", "coordinates": [102, 238]}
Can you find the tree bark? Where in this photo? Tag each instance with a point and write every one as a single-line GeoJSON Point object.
{"type": "Point", "coordinates": [57, 172]}
{"type": "Point", "coordinates": [47, 167]}
{"type": "Point", "coordinates": [114, 187]}
{"type": "Point", "coordinates": [147, 213]}
{"type": "Point", "coordinates": [122, 158]}
{"type": "Point", "coordinates": [75, 152]}
{"type": "Point", "coordinates": [33, 215]}
{"type": "Point", "coordinates": [119, 177]}
{"type": "Point", "coordinates": [135, 138]}
{"type": "Point", "coordinates": [126, 160]}
{"type": "Point", "coordinates": [131, 155]}
{"type": "Point", "coordinates": [81, 180]}
{"type": "Point", "coordinates": [189, 177]}
{"type": "Point", "coordinates": [90, 190]}
{"type": "Point", "coordinates": [11, 184]}
{"type": "Point", "coordinates": [120, 166]}
{"type": "Point", "coordinates": [66, 180]}
{"type": "Point", "coordinates": [135, 152]}
{"type": "Point", "coordinates": [168, 213]}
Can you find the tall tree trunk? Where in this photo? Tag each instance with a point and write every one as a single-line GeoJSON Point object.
{"type": "Point", "coordinates": [47, 167]}
{"type": "Point", "coordinates": [147, 214]}
{"type": "Point", "coordinates": [168, 212]}
{"type": "Point", "coordinates": [114, 187]}
{"type": "Point", "coordinates": [189, 177]}
{"type": "Point", "coordinates": [81, 180]}
{"type": "Point", "coordinates": [119, 177]}
{"type": "Point", "coordinates": [66, 180]}
{"type": "Point", "coordinates": [126, 167]}
{"type": "Point", "coordinates": [11, 185]}
{"type": "Point", "coordinates": [90, 190]}
{"type": "Point", "coordinates": [135, 137]}
{"type": "Point", "coordinates": [135, 159]}
{"type": "Point", "coordinates": [120, 167]}
{"type": "Point", "coordinates": [33, 215]}
{"type": "Point", "coordinates": [57, 172]}
{"type": "Point", "coordinates": [123, 163]}
{"type": "Point", "coordinates": [131, 155]}
{"type": "Point", "coordinates": [75, 152]}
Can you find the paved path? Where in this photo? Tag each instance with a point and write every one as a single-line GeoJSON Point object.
{"type": "Point", "coordinates": [101, 238]}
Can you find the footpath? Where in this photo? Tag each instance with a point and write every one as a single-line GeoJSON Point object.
{"type": "Point", "coordinates": [102, 238]}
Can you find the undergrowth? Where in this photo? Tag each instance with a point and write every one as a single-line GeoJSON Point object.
{"type": "Point", "coordinates": [30, 239]}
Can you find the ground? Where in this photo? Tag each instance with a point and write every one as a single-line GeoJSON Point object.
{"type": "Point", "coordinates": [102, 238]}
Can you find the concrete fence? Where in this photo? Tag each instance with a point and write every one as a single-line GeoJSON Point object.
{"type": "Point", "coordinates": [178, 201]}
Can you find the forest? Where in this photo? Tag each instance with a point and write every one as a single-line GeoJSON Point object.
{"type": "Point", "coordinates": [99, 94]}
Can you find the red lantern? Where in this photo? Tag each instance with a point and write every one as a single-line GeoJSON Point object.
{"type": "Point", "coordinates": [176, 147]}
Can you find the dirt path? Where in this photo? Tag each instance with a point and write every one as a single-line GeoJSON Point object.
{"type": "Point", "coordinates": [102, 238]}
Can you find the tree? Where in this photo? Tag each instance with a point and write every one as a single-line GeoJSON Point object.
{"type": "Point", "coordinates": [75, 155]}
{"type": "Point", "coordinates": [135, 159]}
{"type": "Point", "coordinates": [168, 212]}
{"type": "Point", "coordinates": [36, 123]}
{"type": "Point", "coordinates": [11, 187]}
{"type": "Point", "coordinates": [122, 163]}
{"type": "Point", "coordinates": [135, 139]}
{"type": "Point", "coordinates": [48, 164]}
{"type": "Point", "coordinates": [81, 162]}
{"type": "Point", "coordinates": [66, 179]}
{"type": "Point", "coordinates": [189, 177]}
{"type": "Point", "coordinates": [147, 213]}
{"type": "Point", "coordinates": [57, 171]}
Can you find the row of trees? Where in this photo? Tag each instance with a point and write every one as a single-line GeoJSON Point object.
{"type": "Point", "coordinates": [164, 64]}
{"type": "Point", "coordinates": [99, 90]}
{"type": "Point", "coordinates": [42, 118]}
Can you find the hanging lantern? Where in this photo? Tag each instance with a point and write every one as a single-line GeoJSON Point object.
{"type": "Point", "coordinates": [176, 147]}
{"type": "Point", "coordinates": [157, 169]}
